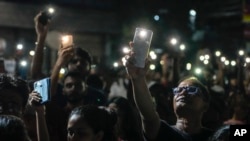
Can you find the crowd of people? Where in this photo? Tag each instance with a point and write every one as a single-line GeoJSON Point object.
{"type": "Point", "coordinates": [136, 105]}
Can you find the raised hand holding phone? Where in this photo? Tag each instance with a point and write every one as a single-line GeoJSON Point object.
{"type": "Point", "coordinates": [141, 45]}
{"type": "Point", "coordinates": [43, 88]}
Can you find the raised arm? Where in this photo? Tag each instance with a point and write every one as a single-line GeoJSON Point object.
{"type": "Point", "coordinates": [41, 125]}
{"type": "Point", "coordinates": [37, 62]}
{"type": "Point", "coordinates": [64, 55]}
{"type": "Point", "coordinates": [143, 99]}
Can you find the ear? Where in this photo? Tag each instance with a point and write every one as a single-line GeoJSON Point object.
{"type": "Point", "coordinates": [99, 136]}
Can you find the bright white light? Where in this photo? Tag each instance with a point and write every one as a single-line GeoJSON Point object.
{"type": "Point", "coordinates": [217, 53]}
{"type": "Point", "coordinates": [222, 59]}
{"type": "Point", "coordinates": [173, 41]}
{"type": "Point", "coordinates": [198, 71]}
{"type": "Point", "coordinates": [143, 33]}
{"type": "Point", "coordinates": [51, 10]}
{"type": "Point", "coordinates": [202, 57]}
{"type": "Point", "coordinates": [126, 50]}
{"type": "Point", "coordinates": [233, 63]}
{"type": "Point", "coordinates": [152, 55]}
{"type": "Point", "coordinates": [205, 62]}
{"type": "Point", "coordinates": [207, 56]}
{"type": "Point", "coordinates": [156, 17]}
{"type": "Point", "coordinates": [188, 66]}
{"type": "Point", "coordinates": [226, 62]}
{"type": "Point", "coordinates": [247, 60]}
{"type": "Point", "coordinates": [32, 53]}
{"type": "Point", "coordinates": [152, 67]}
{"type": "Point", "coordinates": [23, 63]}
{"type": "Point", "coordinates": [192, 12]}
{"type": "Point", "coordinates": [115, 64]}
{"type": "Point", "coordinates": [19, 46]}
{"type": "Point", "coordinates": [62, 71]}
{"type": "Point", "coordinates": [182, 47]}
{"type": "Point", "coordinates": [241, 52]}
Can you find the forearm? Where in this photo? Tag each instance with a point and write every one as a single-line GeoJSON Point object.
{"type": "Point", "coordinates": [144, 103]}
{"type": "Point", "coordinates": [37, 62]}
{"type": "Point", "coordinates": [42, 130]}
{"type": "Point", "coordinates": [54, 78]}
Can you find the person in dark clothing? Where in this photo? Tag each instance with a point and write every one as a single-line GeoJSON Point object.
{"type": "Point", "coordinates": [190, 101]}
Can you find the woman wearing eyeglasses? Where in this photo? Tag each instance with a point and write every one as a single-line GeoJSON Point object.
{"type": "Point", "coordinates": [191, 100]}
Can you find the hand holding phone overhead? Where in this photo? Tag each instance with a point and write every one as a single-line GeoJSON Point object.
{"type": "Point", "coordinates": [43, 88]}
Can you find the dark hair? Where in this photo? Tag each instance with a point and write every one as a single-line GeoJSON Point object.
{"type": "Point", "coordinates": [130, 125]}
{"type": "Point", "coordinates": [74, 74]}
{"type": "Point", "coordinates": [203, 88]}
{"type": "Point", "coordinates": [15, 84]}
{"type": "Point", "coordinates": [83, 53]}
{"type": "Point", "coordinates": [99, 119]}
{"type": "Point", "coordinates": [12, 128]}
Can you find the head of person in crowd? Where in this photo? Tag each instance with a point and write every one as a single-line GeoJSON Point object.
{"type": "Point", "coordinates": [191, 98]}
{"type": "Point", "coordinates": [128, 121]}
{"type": "Point", "coordinates": [74, 87]}
{"type": "Point", "coordinates": [12, 128]}
{"type": "Point", "coordinates": [14, 93]}
{"type": "Point", "coordinates": [221, 134]}
{"type": "Point", "coordinates": [91, 123]}
{"type": "Point", "coordinates": [81, 62]}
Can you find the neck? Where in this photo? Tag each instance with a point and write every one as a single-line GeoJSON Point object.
{"type": "Point", "coordinates": [190, 125]}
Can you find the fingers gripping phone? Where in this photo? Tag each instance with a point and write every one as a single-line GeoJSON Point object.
{"type": "Point", "coordinates": [43, 88]}
{"type": "Point", "coordinates": [67, 40]}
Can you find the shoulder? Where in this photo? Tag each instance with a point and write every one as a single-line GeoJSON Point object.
{"type": "Point", "coordinates": [168, 132]}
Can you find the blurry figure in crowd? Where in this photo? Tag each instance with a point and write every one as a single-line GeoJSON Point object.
{"type": "Point", "coordinates": [74, 91]}
{"type": "Point", "coordinates": [91, 123]}
{"type": "Point", "coordinates": [95, 90]}
{"type": "Point", "coordinates": [240, 108]}
{"type": "Point", "coordinates": [191, 100]}
{"type": "Point", "coordinates": [14, 94]}
{"type": "Point", "coordinates": [163, 101]}
{"type": "Point", "coordinates": [12, 128]}
{"type": "Point", "coordinates": [128, 125]}
{"type": "Point", "coordinates": [221, 134]}
{"type": "Point", "coordinates": [120, 84]}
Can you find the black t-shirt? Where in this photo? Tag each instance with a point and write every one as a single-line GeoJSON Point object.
{"type": "Point", "coordinates": [170, 133]}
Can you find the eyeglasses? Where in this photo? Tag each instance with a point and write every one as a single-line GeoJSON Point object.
{"type": "Point", "coordinates": [192, 90]}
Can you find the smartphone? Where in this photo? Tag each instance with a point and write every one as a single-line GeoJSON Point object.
{"type": "Point", "coordinates": [46, 15]}
{"type": "Point", "coordinates": [43, 88]}
{"type": "Point", "coordinates": [141, 45]}
{"type": "Point", "coordinates": [67, 40]}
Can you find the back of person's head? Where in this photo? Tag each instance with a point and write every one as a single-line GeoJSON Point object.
{"type": "Point", "coordinates": [99, 119]}
{"type": "Point", "coordinates": [14, 84]}
{"type": "Point", "coordinates": [129, 124]}
{"type": "Point", "coordinates": [222, 134]}
{"type": "Point", "coordinates": [12, 128]}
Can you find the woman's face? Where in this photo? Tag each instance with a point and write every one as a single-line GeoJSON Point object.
{"type": "Point", "coordinates": [79, 130]}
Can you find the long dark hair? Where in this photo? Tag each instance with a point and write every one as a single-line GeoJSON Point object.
{"type": "Point", "coordinates": [99, 119]}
